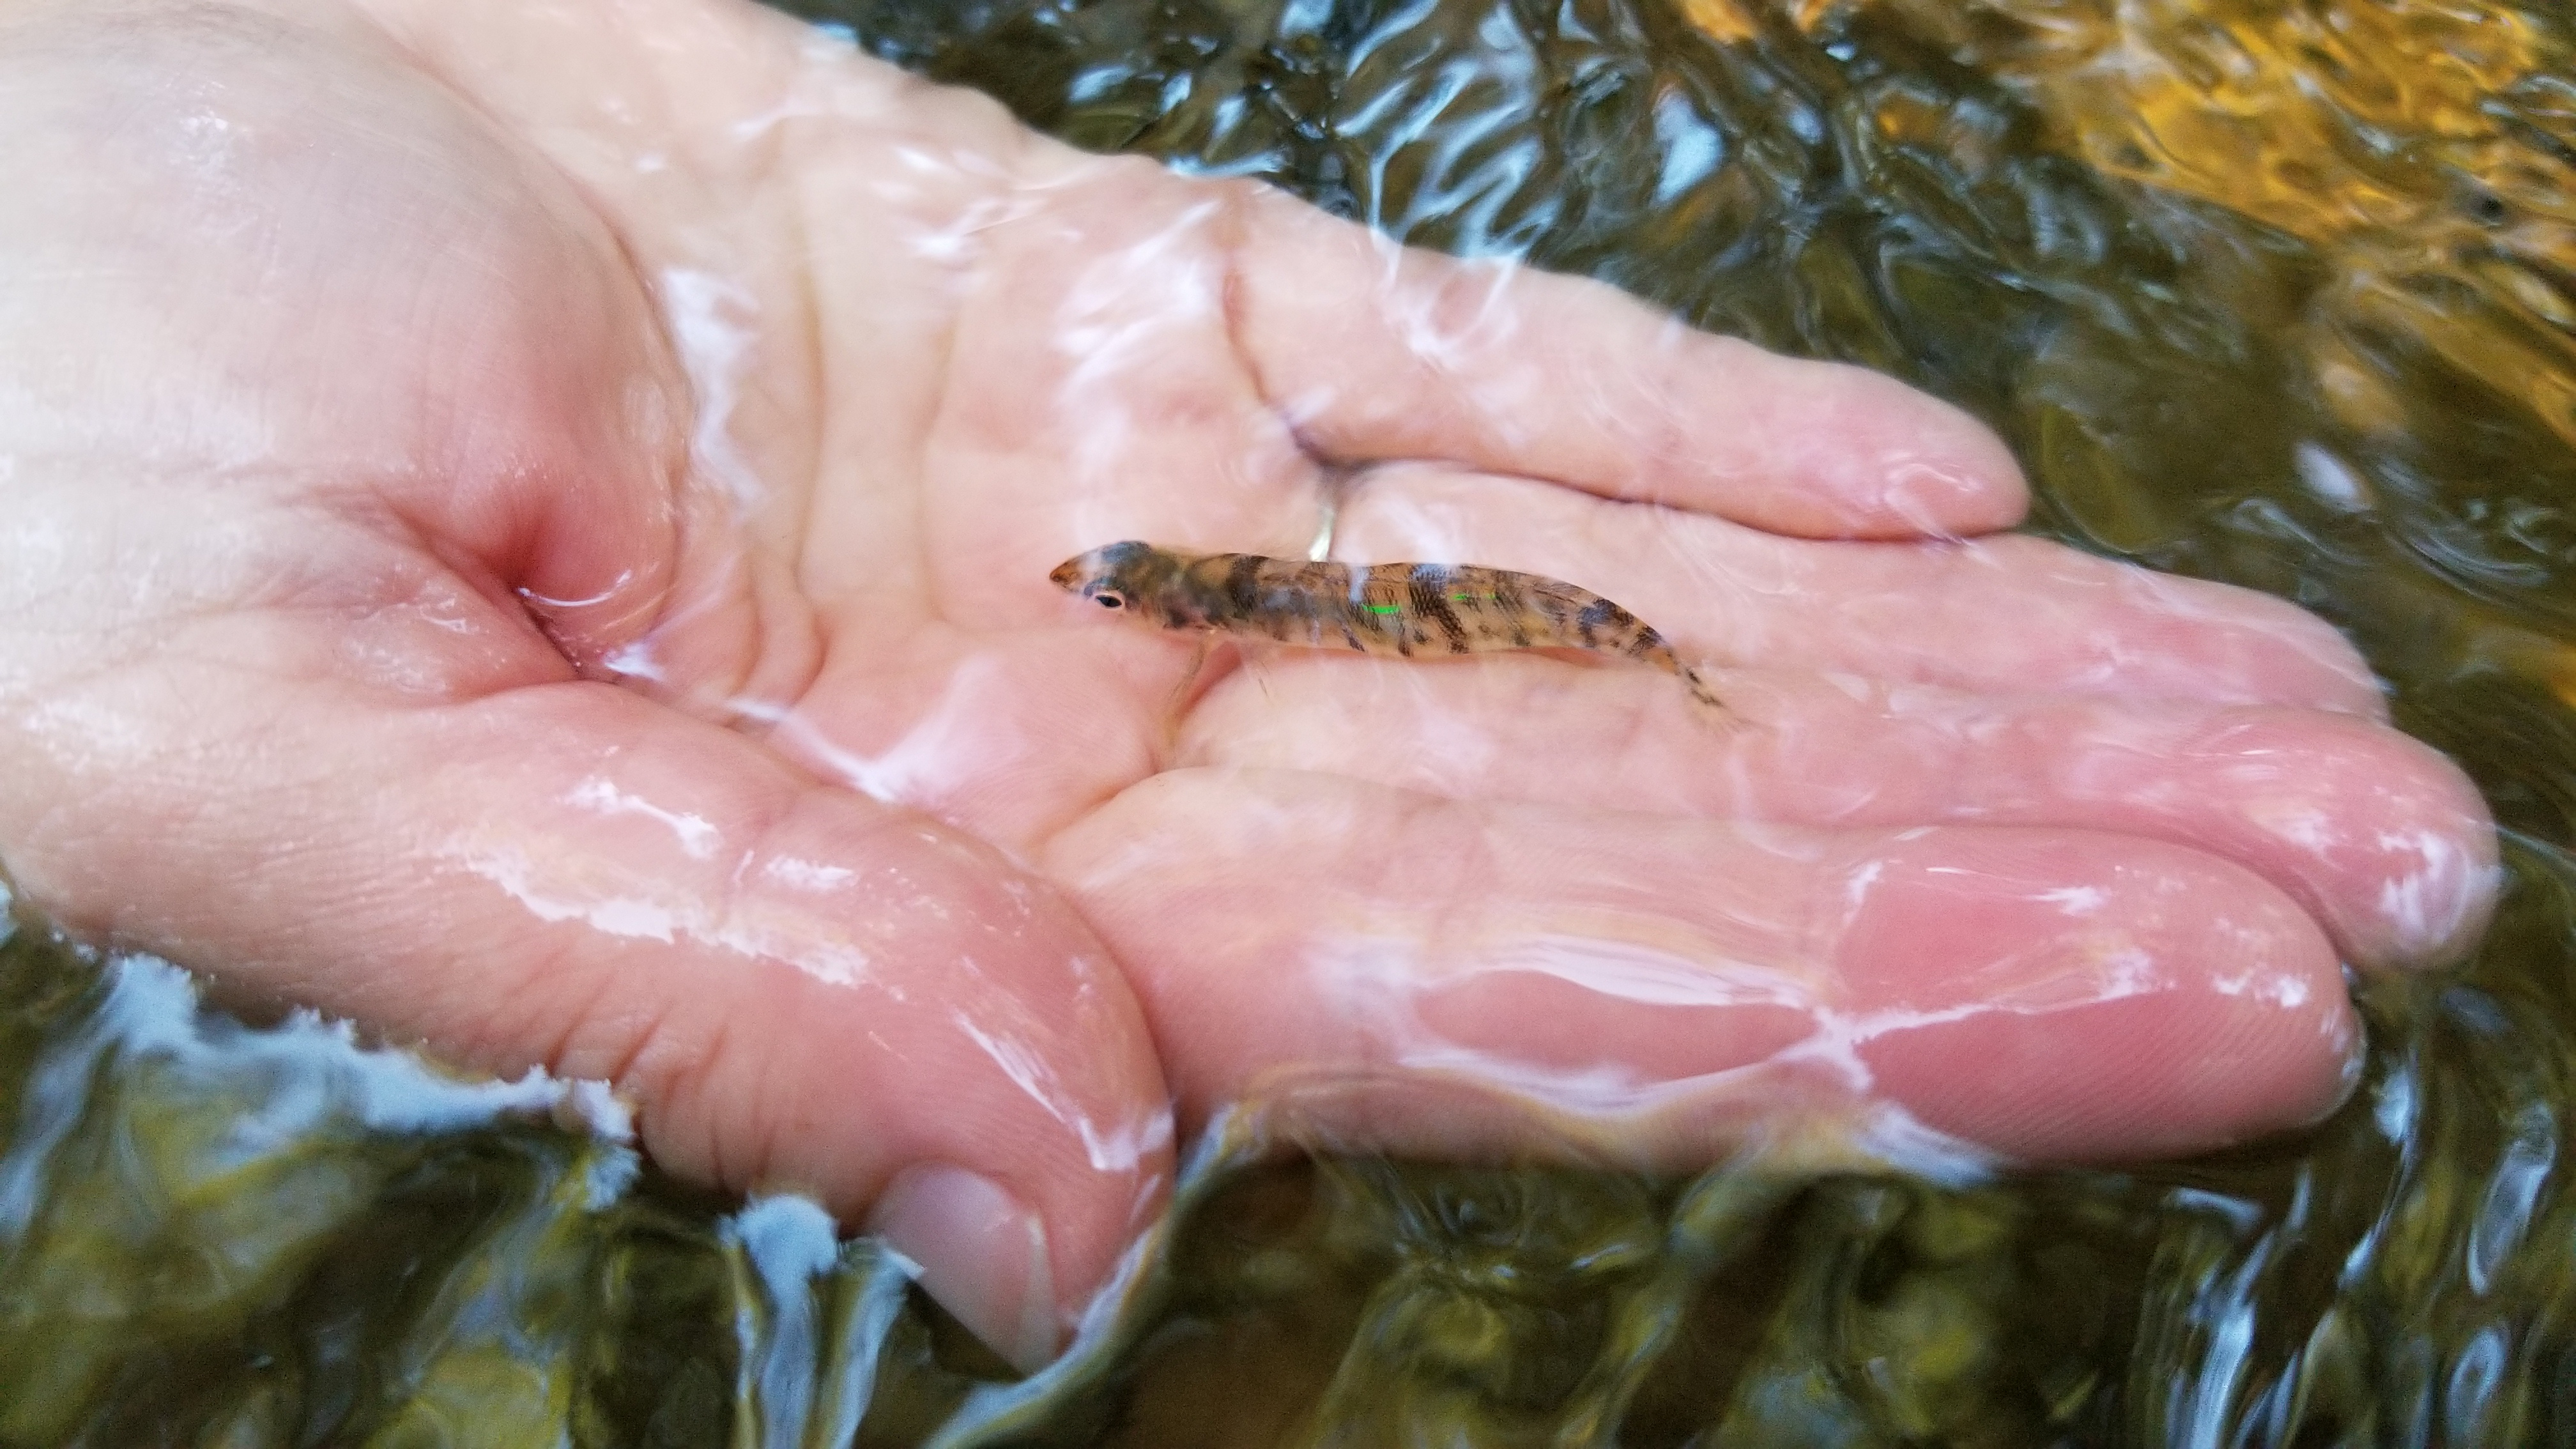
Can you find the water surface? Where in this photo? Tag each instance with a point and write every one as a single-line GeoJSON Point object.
{"type": "Point", "coordinates": [2277, 294]}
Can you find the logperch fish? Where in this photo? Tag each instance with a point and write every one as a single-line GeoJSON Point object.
{"type": "Point", "coordinates": [1399, 610]}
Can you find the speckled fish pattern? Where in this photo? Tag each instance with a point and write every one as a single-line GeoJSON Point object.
{"type": "Point", "coordinates": [1395, 610]}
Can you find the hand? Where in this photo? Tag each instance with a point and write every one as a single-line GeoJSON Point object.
{"type": "Point", "coordinates": [528, 526]}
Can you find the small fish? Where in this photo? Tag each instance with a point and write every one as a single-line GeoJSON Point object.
{"type": "Point", "coordinates": [1400, 609]}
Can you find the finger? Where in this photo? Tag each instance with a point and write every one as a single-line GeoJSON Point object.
{"type": "Point", "coordinates": [802, 989]}
{"type": "Point", "coordinates": [2007, 615]}
{"type": "Point", "coordinates": [1380, 352]}
{"type": "Point", "coordinates": [1352, 958]}
{"type": "Point", "coordinates": [2381, 838]}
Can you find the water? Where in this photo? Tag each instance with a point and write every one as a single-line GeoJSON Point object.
{"type": "Point", "coordinates": [2275, 295]}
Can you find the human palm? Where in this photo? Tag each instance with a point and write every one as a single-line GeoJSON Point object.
{"type": "Point", "coordinates": [531, 529]}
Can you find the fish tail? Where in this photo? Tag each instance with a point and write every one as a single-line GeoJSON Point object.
{"type": "Point", "coordinates": [1700, 690]}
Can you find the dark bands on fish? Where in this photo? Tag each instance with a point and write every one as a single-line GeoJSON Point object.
{"type": "Point", "coordinates": [1430, 586]}
{"type": "Point", "coordinates": [1383, 609]}
{"type": "Point", "coordinates": [1242, 579]}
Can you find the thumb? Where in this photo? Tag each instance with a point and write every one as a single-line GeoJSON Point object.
{"type": "Point", "coordinates": [802, 988]}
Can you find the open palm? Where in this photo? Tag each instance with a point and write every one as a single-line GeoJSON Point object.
{"type": "Point", "coordinates": [540, 543]}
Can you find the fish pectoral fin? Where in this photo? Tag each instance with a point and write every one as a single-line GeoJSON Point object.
{"type": "Point", "coordinates": [1183, 693]}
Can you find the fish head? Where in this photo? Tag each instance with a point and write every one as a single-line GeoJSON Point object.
{"type": "Point", "coordinates": [1129, 576]}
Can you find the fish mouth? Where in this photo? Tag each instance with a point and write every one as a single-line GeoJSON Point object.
{"type": "Point", "coordinates": [1067, 575]}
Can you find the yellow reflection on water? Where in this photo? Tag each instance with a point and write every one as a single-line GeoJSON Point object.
{"type": "Point", "coordinates": [2420, 146]}
{"type": "Point", "coordinates": [1719, 19]}
{"type": "Point", "coordinates": [2314, 118]}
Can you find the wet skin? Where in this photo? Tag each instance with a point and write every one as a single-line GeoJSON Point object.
{"type": "Point", "coordinates": [528, 526]}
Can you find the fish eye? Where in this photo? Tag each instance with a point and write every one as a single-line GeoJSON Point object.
{"type": "Point", "coordinates": [1109, 600]}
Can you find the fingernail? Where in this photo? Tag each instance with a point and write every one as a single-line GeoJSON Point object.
{"type": "Point", "coordinates": [982, 1255]}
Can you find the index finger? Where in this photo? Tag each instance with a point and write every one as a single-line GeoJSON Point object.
{"type": "Point", "coordinates": [1384, 352]}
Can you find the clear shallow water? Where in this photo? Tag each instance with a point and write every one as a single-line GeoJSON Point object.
{"type": "Point", "coordinates": [2270, 294]}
